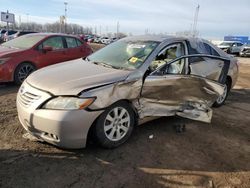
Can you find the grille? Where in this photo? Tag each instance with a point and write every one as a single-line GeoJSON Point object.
{"type": "Point", "coordinates": [28, 98]}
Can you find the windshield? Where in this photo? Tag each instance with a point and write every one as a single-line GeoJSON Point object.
{"type": "Point", "coordinates": [23, 42]}
{"type": "Point", "coordinates": [226, 44]}
{"type": "Point", "coordinates": [124, 54]}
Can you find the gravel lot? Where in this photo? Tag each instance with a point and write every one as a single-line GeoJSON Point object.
{"type": "Point", "coordinates": [206, 155]}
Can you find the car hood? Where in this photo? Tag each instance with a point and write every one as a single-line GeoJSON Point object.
{"type": "Point", "coordinates": [72, 77]}
{"type": "Point", "coordinates": [6, 50]}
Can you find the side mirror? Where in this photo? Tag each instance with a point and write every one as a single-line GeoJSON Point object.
{"type": "Point", "coordinates": [47, 49]}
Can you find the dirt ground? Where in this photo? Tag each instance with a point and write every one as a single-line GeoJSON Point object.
{"type": "Point", "coordinates": [206, 155]}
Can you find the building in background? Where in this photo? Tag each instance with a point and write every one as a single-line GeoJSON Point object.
{"type": "Point", "coordinates": [243, 39]}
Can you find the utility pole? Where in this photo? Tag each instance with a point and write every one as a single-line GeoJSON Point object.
{"type": "Point", "coordinates": [65, 14]}
{"type": "Point", "coordinates": [196, 20]}
{"type": "Point", "coordinates": [7, 22]}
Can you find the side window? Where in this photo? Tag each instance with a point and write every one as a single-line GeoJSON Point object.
{"type": "Point", "coordinates": [214, 52]}
{"type": "Point", "coordinates": [239, 44]}
{"type": "Point", "coordinates": [55, 42]}
{"type": "Point", "coordinates": [168, 54]}
{"type": "Point", "coordinates": [191, 51]}
{"type": "Point", "coordinates": [71, 42]}
{"type": "Point", "coordinates": [202, 48]}
{"type": "Point", "coordinates": [210, 50]}
{"type": "Point", "coordinates": [79, 43]}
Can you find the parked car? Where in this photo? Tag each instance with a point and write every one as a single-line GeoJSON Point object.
{"type": "Point", "coordinates": [19, 33]}
{"type": "Point", "coordinates": [113, 39]}
{"type": "Point", "coordinates": [245, 50]}
{"type": "Point", "coordinates": [7, 34]}
{"type": "Point", "coordinates": [2, 31]}
{"type": "Point", "coordinates": [23, 55]}
{"type": "Point", "coordinates": [105, 40]}
{"type": "Point", "coordinates": [231, 46]}
{"type": "Point", "coordinates": [123, 84]}
{"type": "Point", "coordinates": [97, 40]}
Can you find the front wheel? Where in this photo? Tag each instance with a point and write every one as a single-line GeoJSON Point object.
{"type": "Point", "coordinates": [115, 125]}
{"type": "Point", "coordinates": [221, 99]}
{"type": "Point", "coordinates": [22, 72]}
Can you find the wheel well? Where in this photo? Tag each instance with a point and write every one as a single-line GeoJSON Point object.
{"type": "Point", "coordinates": [90, 135]}
{"type": "Point", "coordinates": [19, 64]}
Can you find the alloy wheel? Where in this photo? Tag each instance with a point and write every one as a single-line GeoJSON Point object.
{"type": "Point", "coordinates": [25, 71]}
{"type": "Point", "coordinates": [222, 97]}
{"type": "Point", "coordinates": [117, 123]}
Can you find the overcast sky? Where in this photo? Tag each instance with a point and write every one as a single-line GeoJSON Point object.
{"type": "Point", "coordinates": [216, 17]}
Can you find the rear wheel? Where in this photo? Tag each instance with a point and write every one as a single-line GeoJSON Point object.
{"type": "Point", "coordinates": [115, 125]}
{"type": "Point", "coordinates": [221, 99]}
{"type": "Point", "coordinates": [22, 72]}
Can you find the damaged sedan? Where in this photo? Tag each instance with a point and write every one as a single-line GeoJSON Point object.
{"type": "Point", "coordinates": [122, 85]}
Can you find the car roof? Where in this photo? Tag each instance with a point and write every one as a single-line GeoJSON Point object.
{"type": "Point", "coordinates": [51, 34]}
{"type": "Point", "coordinates": [162, 38]}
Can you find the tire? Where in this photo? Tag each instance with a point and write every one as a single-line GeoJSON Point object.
{"type": "Point", "coordinates": [115, 125]}
{"type": "Point", "coordinates": [22, 72]}
{"type": "Point", "coordinates": [221, 100]}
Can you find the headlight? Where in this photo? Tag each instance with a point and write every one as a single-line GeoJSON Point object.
{"type": "Point", "coordinates": [3, 60]}
{"type": "Point", "coordinates": [68, 103]}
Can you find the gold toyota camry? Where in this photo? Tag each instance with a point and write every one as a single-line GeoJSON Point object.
{"type": "Point", "coordinates": [122, 85]}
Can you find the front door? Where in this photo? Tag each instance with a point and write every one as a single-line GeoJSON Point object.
{"type": "Point", "coordinates": [56, 55]}
{"type": "Point", "coordinates": [176, 88]}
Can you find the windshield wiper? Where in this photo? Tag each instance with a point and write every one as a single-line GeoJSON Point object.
{"type": "Point", "coordinates": [106, 65]}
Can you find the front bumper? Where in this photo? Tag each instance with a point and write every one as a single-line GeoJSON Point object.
{"type": "Point", "coordinates": [245, 53]}
{"type": "Point", "coordinates": [66, 129]}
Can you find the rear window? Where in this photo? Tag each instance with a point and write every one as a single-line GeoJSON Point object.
{"type": "Point", "coordinates": [201, 48]}
{"type": "Point", "coordinates": [71, 42]}
{"type": "Point", "coordinates": [79, 43]}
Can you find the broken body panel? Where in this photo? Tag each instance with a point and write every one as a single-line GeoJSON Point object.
{"type": "Point", "coordinates": [189, 96]}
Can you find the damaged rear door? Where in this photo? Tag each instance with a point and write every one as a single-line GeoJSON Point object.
{"type": "Point", "coordinates": [184, 87]}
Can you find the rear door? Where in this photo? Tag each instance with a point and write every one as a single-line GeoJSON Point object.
{"type": "Point", "coordinates": [58, 53]}
{"type": "Point", "coordinates": [176, 89]}
{"type": "Point", "coordinates": [74, 47]}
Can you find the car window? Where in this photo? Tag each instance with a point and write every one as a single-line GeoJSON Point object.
{"type": "Point", "coordinates": [210, 50]}
{"type": "Point", "coordinates": [71, 42]}
{"type": "Point", "coordinates": [54, 42]}
{"type": "Point", "coordinates": [239, 44]}
{"type": "Point", "coordinates": [124, 54]}
{"type": "Point", "coordinates": [79, 43]}
{"type": "Point", "coordinates": [168, 54]}
{"type": "Point", "coordinates": [24, 42]}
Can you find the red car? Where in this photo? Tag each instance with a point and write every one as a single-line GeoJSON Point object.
{"type": "Point", "coordinates": [21, 56]}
